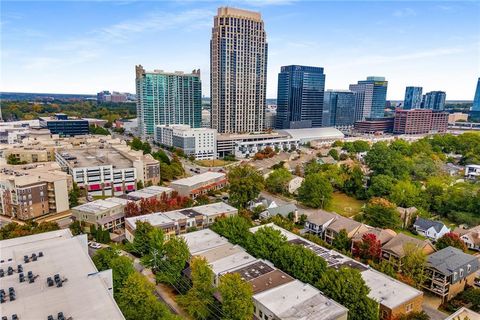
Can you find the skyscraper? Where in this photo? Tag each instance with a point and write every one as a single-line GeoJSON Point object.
{"type": "Point", "coordinates": [167, 98]}
{"type": "Point", "coordinates": [434, 100]}
{"type": "Point", "coordinates": [476, 99]}
{"type": "Point", "coordinates": [341, 108]}
{"type": "Point", "coordinates": [238, 65]}
{"type": "Point", "coordinates": [370, 97]}
{"type": "Point", "coordinates": [413, 98]}
{"type": "Point", "coordinates": [300, 97]}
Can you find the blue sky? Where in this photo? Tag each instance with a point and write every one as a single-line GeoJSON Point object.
{"type": "Point", "coordinates": [85, 47]}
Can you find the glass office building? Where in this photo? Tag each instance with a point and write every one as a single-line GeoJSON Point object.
{"type": "Point", "coordinates": [413, 98]}
{"type": "Point", "coordinates": [339, 108]}
{"type": "Point", "coordinates": [476, 99]}
{"type": "Point", "coordinates": [300, 97]}
{"type": "Point", "coordinates": [434, 100]}
{"type": "Point", "coordinates": [370, 98]}
{"type": "Point", "coordinates": [167, 98]}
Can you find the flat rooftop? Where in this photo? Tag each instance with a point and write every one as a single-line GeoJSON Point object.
{"type": "Point", "coordinates": [198, 179]}
{"type": "Point", "coordinates": [98, 205]}
{"type": "Point", "coordinates": [148, 192]}
{"type": "Point", "coordinates": [203, 240]}
{"type": "Point", "coordinates": [213, 209]}
{"type": "Point", "coordinates": [85, 294]}
{"type": "Point", "coordinates": [230, 262]}
{"type": "Point", "coordinates": [94, 157]}
{"type": "Point", "coordinates": [221, 252]}
{"type": "Point", "coordinates": [298, 300]}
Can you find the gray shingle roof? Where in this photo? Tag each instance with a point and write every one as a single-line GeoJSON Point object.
{"type": "Point", "coordinates": [426, 224]}
{"type": "Point", "coordinates": [282, 210]}
{"type": "Point", "coordinates": [450, 259]}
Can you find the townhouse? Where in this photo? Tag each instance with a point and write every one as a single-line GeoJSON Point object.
{"type": "Point", "coordinates": [200, 184]}
{"type": "Point", "coordinates": [394, 250]}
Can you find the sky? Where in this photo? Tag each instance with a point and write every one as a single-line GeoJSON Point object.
{"type": "Point", "coordinates": [89, 46]}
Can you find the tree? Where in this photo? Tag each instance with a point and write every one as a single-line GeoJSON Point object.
{"type": "Point", "coordinates": [315, 191]}
{"type": "Point", "coordinates": [202, 200]}
{"type": "Point", "coordinates": [98, 130]}
{"type": "Point", "coordinates": [234, 228]}
{"type": "Point", "coordinates": [354, 185]}
{"type": "Point", "coordinates": [416, 315]}
{"type": "Point", "coordinates": [161, 156]}
{"type": "Point", "coordinates": [381, 185]}
{"type": "Point", "coordinates": [381, 213]}
{"type": "Point", "coordinates": [12, 159]}
{"type": "Point", "coordinates": [122, 268]}
{"type": "Point", "coordinates": [153, 256]}
{"type": "Point", "coordinates": [334, 154]}
{"type": "Point", "coordinates": [139, 184]}
{"type": "Point", "coordinates": [370, 248]}
{"type": "Point", "coordinates": [406, 194]}
{"type": "Point", "coordinates": [342, 241]}
{"type": "Point", "coordinates": [73, 195]}
{"type": "Point", "coordinates": [413, 265]}
{"type": "Point", "coordinates": [141, 242]}
{"type": "Point", "coordinates": [15, 230]}
{"type": "Point", "coordinates": [137, 301]}
{"type": "Point", "coordinates": [198, 301]}
{"type": "Point", "coordinates": [347, 287]}
{"type": "Point", "coordinates": [175, 257]}
{"type": "Point", "coordinates": [361, 146]}
{"type": "Point", "coordinates": [132, 210]}
{"type": "Point", "coordinates": [103, 258]}
{"type": "Point", "coordinates": [136, 144]}
{"type": "Point", "coordinates": [245, 185]}
{"type": "Point", "coordinates": [237, 303]}
{"type": "Point", "coordinates": [76, 227]}
{"type": "Point", "coordinates": [277, 181]}
{"type": "Point", "coordinates": [147, 148]}
{"type": "Point", "coordinates": [451, 239]}
{"type": "Point", "coordinates": [265, 242]}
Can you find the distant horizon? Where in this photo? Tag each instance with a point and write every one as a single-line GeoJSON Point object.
{"type": "Point", "coordinates": [408, 43]}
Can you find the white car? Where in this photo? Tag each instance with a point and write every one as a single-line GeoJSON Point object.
{"type": "Point", "coordinates": [94, 245]}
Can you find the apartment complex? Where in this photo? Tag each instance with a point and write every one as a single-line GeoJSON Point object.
{"type": "Point", "coordinates": [106, 214]}
{"type": "Point", "coordinates": [413, 98]}
{"type": "Point", "coordinates": [177, 222]}
{"type": "Point", "coordinates": [108, 169]}
{"type": "Point", "coordinates": [394, 297]}
{"type": "Point", "coordinates": [238, 71]}
{"type": "Point", "coordinates": [167, 98]}
{"type": "Point", "coordinates": [200, 143]}
{"type": "Point", "coordinates": [339, 108]}
{"type": "Point", "coordinates": [300, 97]}
{"type": "Point", "coordinates": [199, 184]}
{"type": "Point", "coordinates": [434, 100]}
{"type": "Point", "coordinates": [31, 191]}
{"type": "Point", "coordinates": [276, 295]}
{"type": "Point", "coordinates": [370, 98]}
{"type": "Point", "coordinates": [419, 121]}
{"type": "Point", "coordinates": [62, 281]}
{"type": "Point", "coordinates": [60, 124]}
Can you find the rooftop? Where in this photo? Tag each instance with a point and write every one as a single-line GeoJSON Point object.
{"type": "Point", "coordinates": [200, 241]}
{"type": "Point", "coordinates": [232, 261]}
{"type": "Point", "coordinates": [98, 205]}
{"type": "Point", "coordinates": [94, 157]}
{"type": "Point", "coordinates": [199, 178]}
{"type": "Point", "coordinates": [86, 294]}
{"type": "Point", "coordinates": [221, 252]}
{"type": "Point", "coordinates": [426, 224]}
{"type": "Point", "coordinates": [450, 259]}
{"type": "Point", "coordinates": [311, 134]}
{"type": "Point", "coordinates": [213, 209]}
{"type": "Point", "coordinates": [297, 300]}
{"type": "Point", "coordinates": [148, 192]}
{"type": "Point", "coordinates": [396, 244]}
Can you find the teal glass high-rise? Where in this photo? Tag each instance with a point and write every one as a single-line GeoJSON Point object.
{"type": "Point", "coordinates": [413, 98]}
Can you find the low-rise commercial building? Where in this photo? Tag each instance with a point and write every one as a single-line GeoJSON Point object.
{"type": "Point", "coordinates": [200, 143]}
{"type": "Point", "coordinates": [106, 214]}
{"type": "Point", "coordinates": [30, 191]}
{"type": "Point", "coordinates": [226, 142]}
{"type": "Point", "coordinates": [372, 126]}
{"type": "Point", "coordinates": [457, 116]}
{"type": "Point", "coordinates": [60, 124]}
{"type": "Point", "coordinates": [62, 280]}
{"type": "Point", "coordinates": [448, 271]}
{"type": "Point", "coordinates": [180, 221]}
{"type": "Point", "coordinates": [199, 184]}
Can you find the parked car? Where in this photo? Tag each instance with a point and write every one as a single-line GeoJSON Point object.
{"type": "Point", "coordinates": [94, 245]}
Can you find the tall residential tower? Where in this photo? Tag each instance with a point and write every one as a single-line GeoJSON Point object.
{"type": "Point", "coordinates": [435, 100]}
{"type": "Point", "coordinates": [238, 71]}
{"type": "Point", "coordinates": [167, 98]}
{"type": "Point", "coordinates": [300, 97]}
{"type": "Point", "coordinates": [341, 108]}
{"type": "Point", "coordinates": [370, 98]}
{"type": "Point", "coordinates": [413, 98]}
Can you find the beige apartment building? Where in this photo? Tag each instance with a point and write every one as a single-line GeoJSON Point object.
{"type": "Point", "coordinates": [238, 71]}
{"type": "Point", "coordinates": [30, 191]}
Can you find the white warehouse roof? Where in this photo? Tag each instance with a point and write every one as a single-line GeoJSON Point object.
{"type": "Point", "coordinates": [312, 134]}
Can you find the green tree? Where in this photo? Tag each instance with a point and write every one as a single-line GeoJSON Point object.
{"type": "Point", "coordinates": [347, 287]}
{"type": "Point", "coordinates": [334, 154]}
{"type": "Point", "coordinates": [245, 185]}
{"type": "Point", "coordinates": [361, 146]}
{"type": "Point", "coordinates": [381, 213]}
{"type": "Point", "coordinates": [342, 241]}
{"type": "Point", "coordinates": [103, 258]}
{"type": "Point", "coordinates": [175, 257]}
{"type": "Point", "coordinates": [354, 185]}
{"type": "Point", "coordinates": [122, 268]}
{"type": "Point", "coordinates": [147, 148]}
{"type": "Point", "coordinates": [137, 301]}
{"type": "Point", "coordinates": [265, 242]}
{"type": "Point", "coordinates": [237, 303]}
{"type": "Point", "coordinates": [11, 159]}
{"type": "Point", "coordinates": [450, 239]}
{"type": "Point", "coordinates": [141, 242]}
{"type": "Point", "coordinates": [413, 265]}
{"type": "Point", "coordinates": [73, 195]}
{"type": "Point", "coordinates": [381, 186]}
{"type": "Point", "coordinates": [136, 144]}
{"type": "Point", "coordinates": [198, 301]}
{"type": "Point", "coordinates": [161, 156]}
{"type": "Point", "coordinates": [155, 246]}
{"type": "Point", "coordinates": [406, 194]}
{"type": "Point", "coordinates": [277, 181]}
{"type": "Point", "coordinates": [76, 227]}
{"type": "Point", "coordinates": [315, 191]}
{"type": "Point", "coordinates": [98, 130]}
{"type": "Point", "coordinates": [234, 228]}
{"type": "Point", "coordinates": [139, 185]}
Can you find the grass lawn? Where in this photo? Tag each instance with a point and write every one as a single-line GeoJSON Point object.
{"type": "Point", "coordinates": [100, 197]}
{"type": "Point", "coordinates": [212, 163]}
{"type": "Point", "coordinates": [408, 233]}
{"type": "Point", "coordinates": [345, 205]}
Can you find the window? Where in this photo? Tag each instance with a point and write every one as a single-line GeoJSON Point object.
{"type": "Point", "coordinates": [461, 273]}
{"type": "Point", "coordinates": [260, 313]}
{"type": "Point", "coordinates": [409, 307]}
{"type": "Point", "coordinates": [469, 268]}
{"type": "Point", "coordinates": [454, 276]}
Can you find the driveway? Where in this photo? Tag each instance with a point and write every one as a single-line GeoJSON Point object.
{"type": "Point", "coordinates": [430, 306]}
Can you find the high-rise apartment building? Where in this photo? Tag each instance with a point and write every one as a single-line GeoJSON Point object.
{"type": "Point", "coordinates": [238, 65]}
{"type": "Point", "coordinates": [300, 97]}
{"type": "Point", "coordinates": [340, 106]}
{"type": "Point", "coordinates": [413, 98]}
{"type": "Point", "coordinates": [434, 100]}
{"type": "Point", "coordinates": [167, 98]}
{"type": "Point", "coordinates": [476, 99]}
{"type": "Point", "coordinates": [370, 97]}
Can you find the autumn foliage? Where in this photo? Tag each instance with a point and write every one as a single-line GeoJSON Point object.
{"type": "Point", "coordinates": [166, 203]}
{"type": "Point", "coordinates": [266, 153]}
{"type": "Point", "coordinates": [369, 248]}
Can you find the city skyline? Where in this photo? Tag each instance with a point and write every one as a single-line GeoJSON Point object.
{"type": "Point", "coordinates": [411, 44]}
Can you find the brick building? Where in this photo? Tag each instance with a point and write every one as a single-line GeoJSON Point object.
{"type": "Point", "coordinates": [419, 121]}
